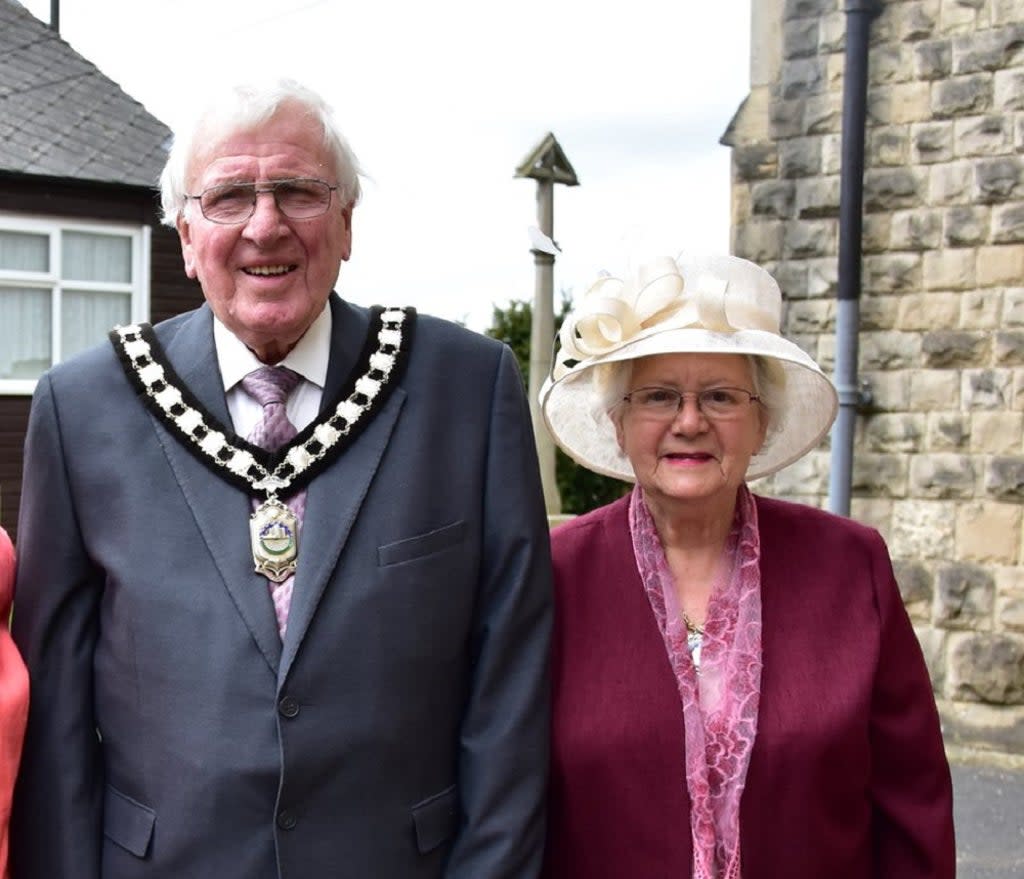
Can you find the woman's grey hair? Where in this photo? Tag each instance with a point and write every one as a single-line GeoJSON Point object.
{"type": "Point", "coordinates": [769, 378]}
{"type": "Point", "coordinates": [243, 107]}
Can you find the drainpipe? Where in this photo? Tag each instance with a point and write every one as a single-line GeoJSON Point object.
{"type": "Point", "coordinates": [851, 200]}
{"type": "Point", "coordinates": [55, 16]}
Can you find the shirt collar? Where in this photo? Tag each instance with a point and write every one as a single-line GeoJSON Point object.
{"type": "Point", "coordinates": [308, 358]}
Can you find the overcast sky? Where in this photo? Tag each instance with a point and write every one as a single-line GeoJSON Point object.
{"type": "Point", "coordinates": [442, 100]}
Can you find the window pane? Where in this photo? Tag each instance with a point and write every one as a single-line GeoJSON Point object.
{"type": "Point", "coordinates": [88, 257]}
{"type": "Point", "coordinates": [24, 252]}
{"type": "Point", "coordinates": [86, 318]}
{"type": "Point", "coordinates": [24, 332]}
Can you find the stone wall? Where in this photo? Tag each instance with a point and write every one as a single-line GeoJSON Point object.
{"type": "Point", "coordinates": [939, 451]}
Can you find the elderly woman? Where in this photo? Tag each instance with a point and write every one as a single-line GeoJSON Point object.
{"type": "Point", "coordinates": [13, 697]}
{"type": "Point", "coordinates": [737, 687]}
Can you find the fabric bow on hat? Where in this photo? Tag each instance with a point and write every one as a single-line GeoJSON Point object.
{"type": "Point", "coordinates": [656, 297]}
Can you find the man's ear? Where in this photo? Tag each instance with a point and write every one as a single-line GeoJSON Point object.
{"type": "Point", "coordinates": [346, 216]}
{"type": "Point", "coordinates": [187, 251]}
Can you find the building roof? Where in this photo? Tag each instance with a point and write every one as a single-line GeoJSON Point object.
{"type": "Point", "coordinates": [61, 117]}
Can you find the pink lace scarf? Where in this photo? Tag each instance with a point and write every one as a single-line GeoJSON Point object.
{"type": "Point", "coordinates": [720, 706]}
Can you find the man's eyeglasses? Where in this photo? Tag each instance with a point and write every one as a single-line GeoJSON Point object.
{"type": "Point", "coordinates": [665, 403]}
{"type": "Point", "coordinates": [299, 198]}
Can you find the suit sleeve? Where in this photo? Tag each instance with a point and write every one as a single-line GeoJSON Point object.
{"type": "Point", "coordinates": [56, 825]}
{"type": "Point", "coordinates": [911, 791]}
{"type": "Point", "coordinates": [503, 755]}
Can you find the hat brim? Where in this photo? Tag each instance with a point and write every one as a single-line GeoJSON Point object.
{"type": "Point", "coordinates": [574, 412]}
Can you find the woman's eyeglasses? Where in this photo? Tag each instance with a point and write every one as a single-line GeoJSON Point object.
{"type": "Point", "coordinates": [665, 403]}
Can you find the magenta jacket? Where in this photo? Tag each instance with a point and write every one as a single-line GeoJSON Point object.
{"type": "Point", "coordinates": [848, 778]}
{"type": "Point", "coordinates": [13, 697]}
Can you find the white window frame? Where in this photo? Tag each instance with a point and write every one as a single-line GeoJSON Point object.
{"type": "Point", "coordinates": [138, 288]}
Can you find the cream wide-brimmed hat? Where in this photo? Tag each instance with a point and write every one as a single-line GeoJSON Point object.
{"type": "Point", "coordinates": [703, 305]}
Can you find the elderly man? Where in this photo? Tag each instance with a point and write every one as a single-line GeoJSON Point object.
{"type": "Point", "coordinates": [284, 578]}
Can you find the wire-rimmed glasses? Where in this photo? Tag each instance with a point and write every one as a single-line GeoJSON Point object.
{"type": "Point", "coordinates": [663, 404]}
{"type": "Point", "coordinates": [298, 198]}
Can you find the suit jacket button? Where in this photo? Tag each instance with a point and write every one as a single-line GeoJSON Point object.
{"type": "Point", "coordinates": [288, 707]}
{"type": "Point", "coordinates": [286, 820]}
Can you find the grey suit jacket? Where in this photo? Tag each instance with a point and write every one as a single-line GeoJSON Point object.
{"type": "Point", "coordinates": [400, 729]}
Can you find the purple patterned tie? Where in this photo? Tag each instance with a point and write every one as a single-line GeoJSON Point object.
{"type": "Point", "coordinates": [270, 386]}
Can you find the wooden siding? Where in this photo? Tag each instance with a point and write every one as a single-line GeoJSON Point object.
{"type": "Point", "coordinates": [170, 291]}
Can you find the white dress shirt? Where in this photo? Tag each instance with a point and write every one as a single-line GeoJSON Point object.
{"type": "Point", "coordinates": [308, 358]}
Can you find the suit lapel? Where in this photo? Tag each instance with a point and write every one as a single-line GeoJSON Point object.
{"type": "Point", "coordinates": [221, 511]}
{"type": "Point", "coordinates": [334, 497]}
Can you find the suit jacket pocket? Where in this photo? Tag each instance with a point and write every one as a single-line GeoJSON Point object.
{"type": "Point", "coordinates": [421, 545]}
{"type": "Point", "coordinates": [127, 823]}
{"type": "Point", "coordinates": [436, 819]}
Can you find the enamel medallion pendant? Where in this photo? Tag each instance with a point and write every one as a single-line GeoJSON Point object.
{"type": "Point", "coordinates": [274, 530]}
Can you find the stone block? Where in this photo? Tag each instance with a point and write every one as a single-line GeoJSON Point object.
{"type": "Point", "coordinates": [957, 16]}
{"type": "Point", "coordinates": [964, 596]}
{"type": "Point", "coordinates": [997, 433]}
{"type": "Point", "coordinates": [888, 146]}
{"type": "Point", "coordinates": [917, 588]}
{"type": "Point", "coordinates": [900, 103]}
{"type": "Point", "coordinates": [916, 229]}
{"type": "Point", "coordinates": [982, 136]}
{"type": "Point", "coordinates": [980, 727]}
{"type": "Point", "coordinates": [1000, 265]}
{"type": "Point", "coordinates": [1008, 223]}
{"type": "Point", "coordinates": [890, 350]}
{"type": "Point", "coordinates": [948, 431]}
{"type": "Point", "coordinates": [928, 311]}
{"type": "Point", "coordinates": [933, 646]}
{"type": "Point", "coordinates": [1009, 348]}
{"type": "Point", "coordinates": [890, 391]}
{"type": "Point", "coordinates": [785, 119]}
{"type": "Point", "coordinates": [739, 197]}
{"type": "Point", "coordinates": [931, 142]}
{"type": "Point", "coordinates": [802, 78]}
{"type": "Point", "coordinates": [988, 49]}
{"type": "Point", "coordinates": [772, 199]}
{"type": "Point", "coordinates": [979, 309]}
{"type": "Point", "coordinates": [822, 277]}
{"type": "Point", "coordinates": [809, 239]}
{"type": "Point", "coordinates": [988, 668]}
{"type": "Point", "coordinates": [876, 231]}
{"type": "Point", "coordinates": [1017, 390]}
{"type": "Point", "coordinates": [1008, 90]}
{"type": "Point", "coordinates": [807, 476]}
{"type": "Point", "coordinates": [1010, 598]}
{"type": "Point", "coordinates": [952, 269]}
{"type": "Point", "coordinates": [1004, 478]}
{"type": "Point", "coordinates": [799, 157]}
{"type": "Point", "coordinates": [811, 316]}
{"type": "Point", "coordinates": [832, 34]}
{"type": "Point", "coordinates": [894, 433]}
{"type": "Point", "coordinates": [1018, 133]}
{"type": "Point", "coordinates": [997, 180]}
{"type": "Point", "coordinates": [805, 8]}
{"type": "Point", "coordinates": [889, 63]}
{"type": "Point", "coordinates": [965, 225]}
{"type": "Point", "coordinates": [943, 476]}
{"type": "Point", "coordinates": [832, 150]}
{"type": "Point", "coordinates": [888, 189]}
{"type": "Point", "coordinates": [880, 475]}
{"type": "Point", "coordinates": [823, 113]}
{"type": "Point", "coordinates": [962, 96]}
{"type": "Point", "coordinates": [988, 531]}
{"type": "Point", "coordinates": [933, 59]}
{"type": "Point", "coordinates": [872, 511]}
{"type": "Point", "coordinates": [759, 240]}
{"type": "Point", "coordinates": [950, 183]}
{"type": "Point", "coordinates": [986, 389]}
{"type": "Point", "coordinates": [1013, 306]}
{"type": "Point", "coordinates": [817, 198]}
{"type": "Point", "coordinates": [955, 348]}
{"type": "Point", "coordinates": [922, 530]}
{"type": "Point", "coordinates": [917, 21]}
{"type": "Point", "coordinates": [800, 38]}
{"type": "Point", "coordinates": [792, 279]}
{"type": "Point", "coordinates": [891, 273]}
{"type": "Point", "coordinates": [756, 161]}
{"type": "Point", "coordinates": [934, 389]}
{"type": "Point", "coordinates": [879, 312]}
{"type": "Point", "coordinates": [1006, 12]}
